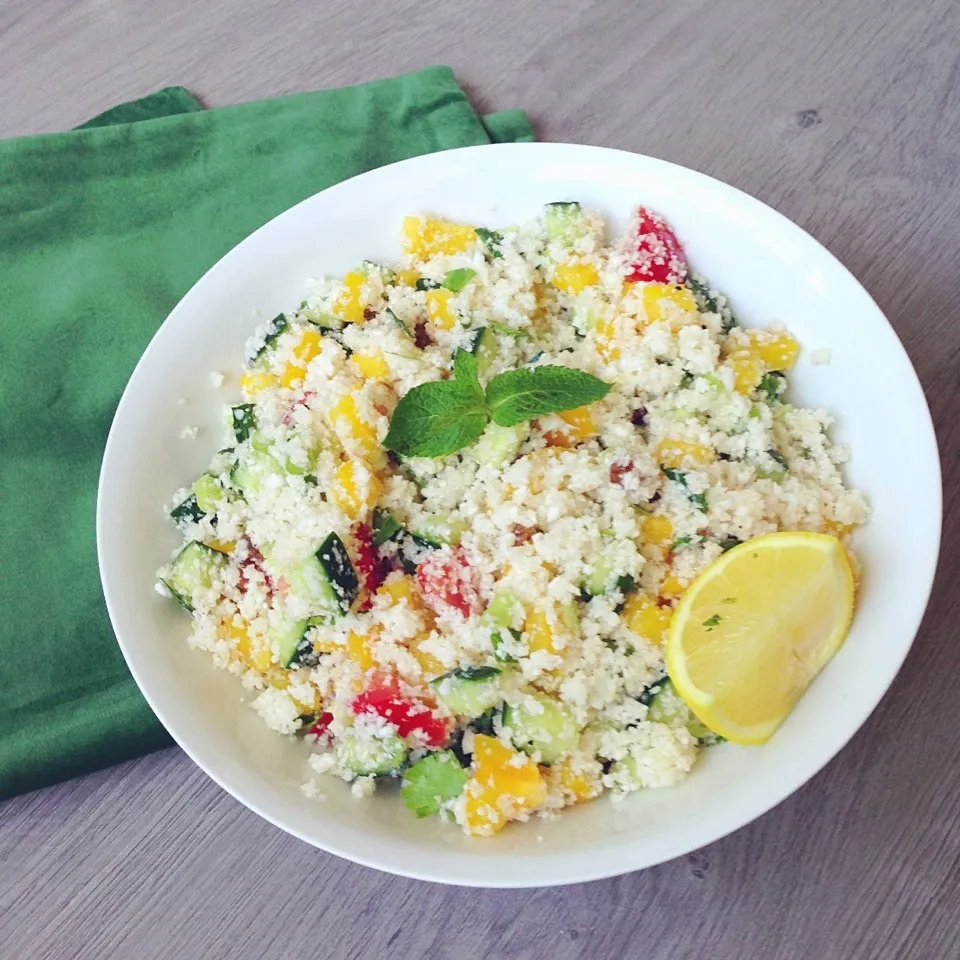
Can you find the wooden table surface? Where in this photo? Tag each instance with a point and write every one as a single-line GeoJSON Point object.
{"type": "Point", "coordinates": [843, 116]}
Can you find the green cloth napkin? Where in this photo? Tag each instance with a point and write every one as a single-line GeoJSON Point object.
{"type": "Point", "coordinates": [102, 230]}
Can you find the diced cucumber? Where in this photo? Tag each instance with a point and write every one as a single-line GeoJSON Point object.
{"type": "Point", "coordinates": [187, 512]}
{"type": "Point", "coordinates": [325, 580]}
{"type": "Point", "coordinates": [194, 568]}
{"type": "Point", "coordinates": [541, 725]}
{"type": "Point", "coordinates": [498, 445]}
{"type": "Point", "coordinates": [439, 530]}
{"type": "Point", "coordinates": [368, 755]}
{"type": "Point", "coordinates": [470, 692]}
{"type": "Point", "coordinates": [385, 526]}
{"type": "Point", "coordinates": [565, 222]}
{"type": "Point", "coordinates": [456, 280]}
{"type": "Point", "coordinates": [484, 348]}
{"type": "Point", "coordinates": [207, 492]}
{"type": "Point", "coordinates": [274, 329]}
{"type": "Point", "coordinates": [602, 577]}
{"type": "Point", "coordinates": [243, 420]}
{"type": "Point", "coordinates": [400, 323]}
{"type": "Point", "coordinates": [666, 706]}
{"type": "Point", "coordinates": [339, 571]}
{"type": "Point", "coordinates": [290, 638]}
{"type": "Point", "coordinates": [433, 781]}
{"type": "Point", "coordinates": [505, 615]}
{"type": "Point", "coordinates": [251, 475]}
{"type": "Point", "coordinates": [505, 610]}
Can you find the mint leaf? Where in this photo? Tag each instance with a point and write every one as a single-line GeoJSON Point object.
{"type": "Point", "coordinates": [491, 240]}
{"type": "Point", "coordinates": [456, 280]}
{"type": "Point", "coordinates": [433, 781]}
{"type": "Point", "coordinates": [518, 395]}
{"type": "Point", "coordinates": [440, 417]}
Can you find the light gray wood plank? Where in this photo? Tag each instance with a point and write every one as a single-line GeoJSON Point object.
{"type": "Point", "coordinates": [846, 118]}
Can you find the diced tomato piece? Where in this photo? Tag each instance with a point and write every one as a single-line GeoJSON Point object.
{"type": "Point", "coordinates": [254, 561]}
{"type": "Point", "coordinates": [411, 717]}
{"type": "Point", "coordinates": [656, 255]}
{"type": "Point", "coordinates": [448, 582]}
{"type": "Point", "coordinates": [371, 571]}
{"type": "Point", "coordinates": [300, 402]}
{"type": "Point", "coordinates": [319, 726]}
{"type": "Point", "coordinates": [619, 470]}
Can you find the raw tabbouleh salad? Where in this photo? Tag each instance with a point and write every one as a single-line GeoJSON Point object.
{"type": "Point", "coordinates": [461, 500]}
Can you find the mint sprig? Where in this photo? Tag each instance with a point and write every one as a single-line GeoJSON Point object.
{"type": "Point", "coordinates": [441, 417]}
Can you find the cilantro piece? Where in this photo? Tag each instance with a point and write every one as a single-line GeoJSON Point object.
{"type": "Point", "coordinates": [431, 782]}
{"type": "Point", "coordinates": [491, 240]}
{"type": "Point", "coordinates": [771, 386]}
{"type": "Point", "coordinates": [699, 500]}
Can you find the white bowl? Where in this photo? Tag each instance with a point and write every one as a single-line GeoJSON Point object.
{"type": "Point", "coordinates": [770, 268]}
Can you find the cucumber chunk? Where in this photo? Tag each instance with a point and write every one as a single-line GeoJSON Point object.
{"type": "Point", "coordinates": [385, 526]}
{"type": "Point", "coordinates": [471, 691]}
{"type": "Point", "coordinates": [541, 725]}
{"type": "Point", "coordinates": [187, 512]}
{"type": "Point", "coordinates": [439, 530]}
{"type": "Point", "coordinates": [275, 328]}
{"type": "Point", "coordinates": [194, 568]}
{"type": "Point", "coordinates": [498, 445]}
{"type": "Point", "coordinates": [666, 706]}
{"type": "Point", "coordinates": [369, 754]}
{"type": "Point", "coordinates": [484, 348]}
{"type": "Point", "coordinates": [207, 492]}
{"type": "Point", "coordinates": [565, 222]}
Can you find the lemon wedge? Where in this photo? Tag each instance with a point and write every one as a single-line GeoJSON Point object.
{"type": "Point", "coordinates": [754, 629]}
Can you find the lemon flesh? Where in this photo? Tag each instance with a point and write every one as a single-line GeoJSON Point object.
{"type": "Point", "coordinates": [754, 629]}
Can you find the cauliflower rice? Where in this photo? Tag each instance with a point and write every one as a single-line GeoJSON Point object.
{"type": "Point", "coordinates": [486, 626]}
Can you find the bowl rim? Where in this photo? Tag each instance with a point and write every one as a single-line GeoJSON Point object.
{"type": "Point", "coordinates": [567, 874]}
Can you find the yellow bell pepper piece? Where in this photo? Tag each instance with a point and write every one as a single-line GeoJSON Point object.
{"type": "Point", "coordinates": [355, 489]}
{"type": "Point", "coordinates": [360, 649]}
{"type": "Point", "coordinates": [254, 381]}
{"type": "Point", "coordinates": [505, 785]}
{"type": "Point", "coordinates": [679, 453]}
{"type": "Point", "coordinates": [253, 653]}
{"type": "Point", "coordinates": [292, 375]}
{"type": "Point", "coordinates": [662, 300]}
{"type": "Point", "coordinates": [671, 587]}
{"type": "Point", "coordinates": [407, 278]}
{"type": "Point", "coordinates": [604, 331]}
{"type": "Point", "coordinates": [646, 618]}
{"type": "Point", "coordinates": [539, 629]}
{"type": "Point", "coordinates": [575, 276]}
{"type": "Point", "coordinates": [778, 351]}
{"type": "Point", "coordinates": [438, 308]}
{"type": "Point", "coordinates": [308, 346]}
{"type": "Point", "coordinates": [579, 781]}
{"type": "Point", "coordinates": [424, 237]}
{"type": "Point", "coordinates": [223, 546]}
{"type": "Point", "coordinates": [349, 303]}
{"type": "Point", "coordinates": [353, 431]}
{"type": "Point", "coordinates": [747, 371]}
{"type": "Point", "coordinates": [657, 529]}
{"type": "Point", "coordinates": [580, 427]}
{"type": "Point", "coordinates": [372, 365]}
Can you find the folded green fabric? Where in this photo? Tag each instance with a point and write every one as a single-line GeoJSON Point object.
{"type": "Point", "coordinates": [102, 230]}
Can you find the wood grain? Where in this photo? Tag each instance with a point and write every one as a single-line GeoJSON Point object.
{"type": "Point", "coordinates": [843, 116]}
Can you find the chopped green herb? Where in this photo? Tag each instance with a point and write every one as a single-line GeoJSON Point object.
{"type": "Point", "coordinates": [779, 457]}
{"type": "Point", "coordinates": [712, 622]}
{"type": "Point", "coordinates": [729, 600]}
{"type": "Point", "coordinates": [424, 284]}
{"type": "Point", "coordinates": [729, 543]}
{"type": "Point", "coordinates": [678, 476]}
{"type": "Point", "coordinates": [498, 327]}
{"type": "Point", "coordinates": [771, 386]}
{"type": "Point", "coordinates": [491, 239]}
{"type": "Point", "coordinates": [400, 324]}
{"type": "Point", "coordinates": [385, 526]}
{"type": "Point", "coordinates": [699, 500]}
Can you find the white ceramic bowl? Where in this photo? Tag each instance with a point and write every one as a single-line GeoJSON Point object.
{"type": "Point", "coordinates": [770, 268]}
